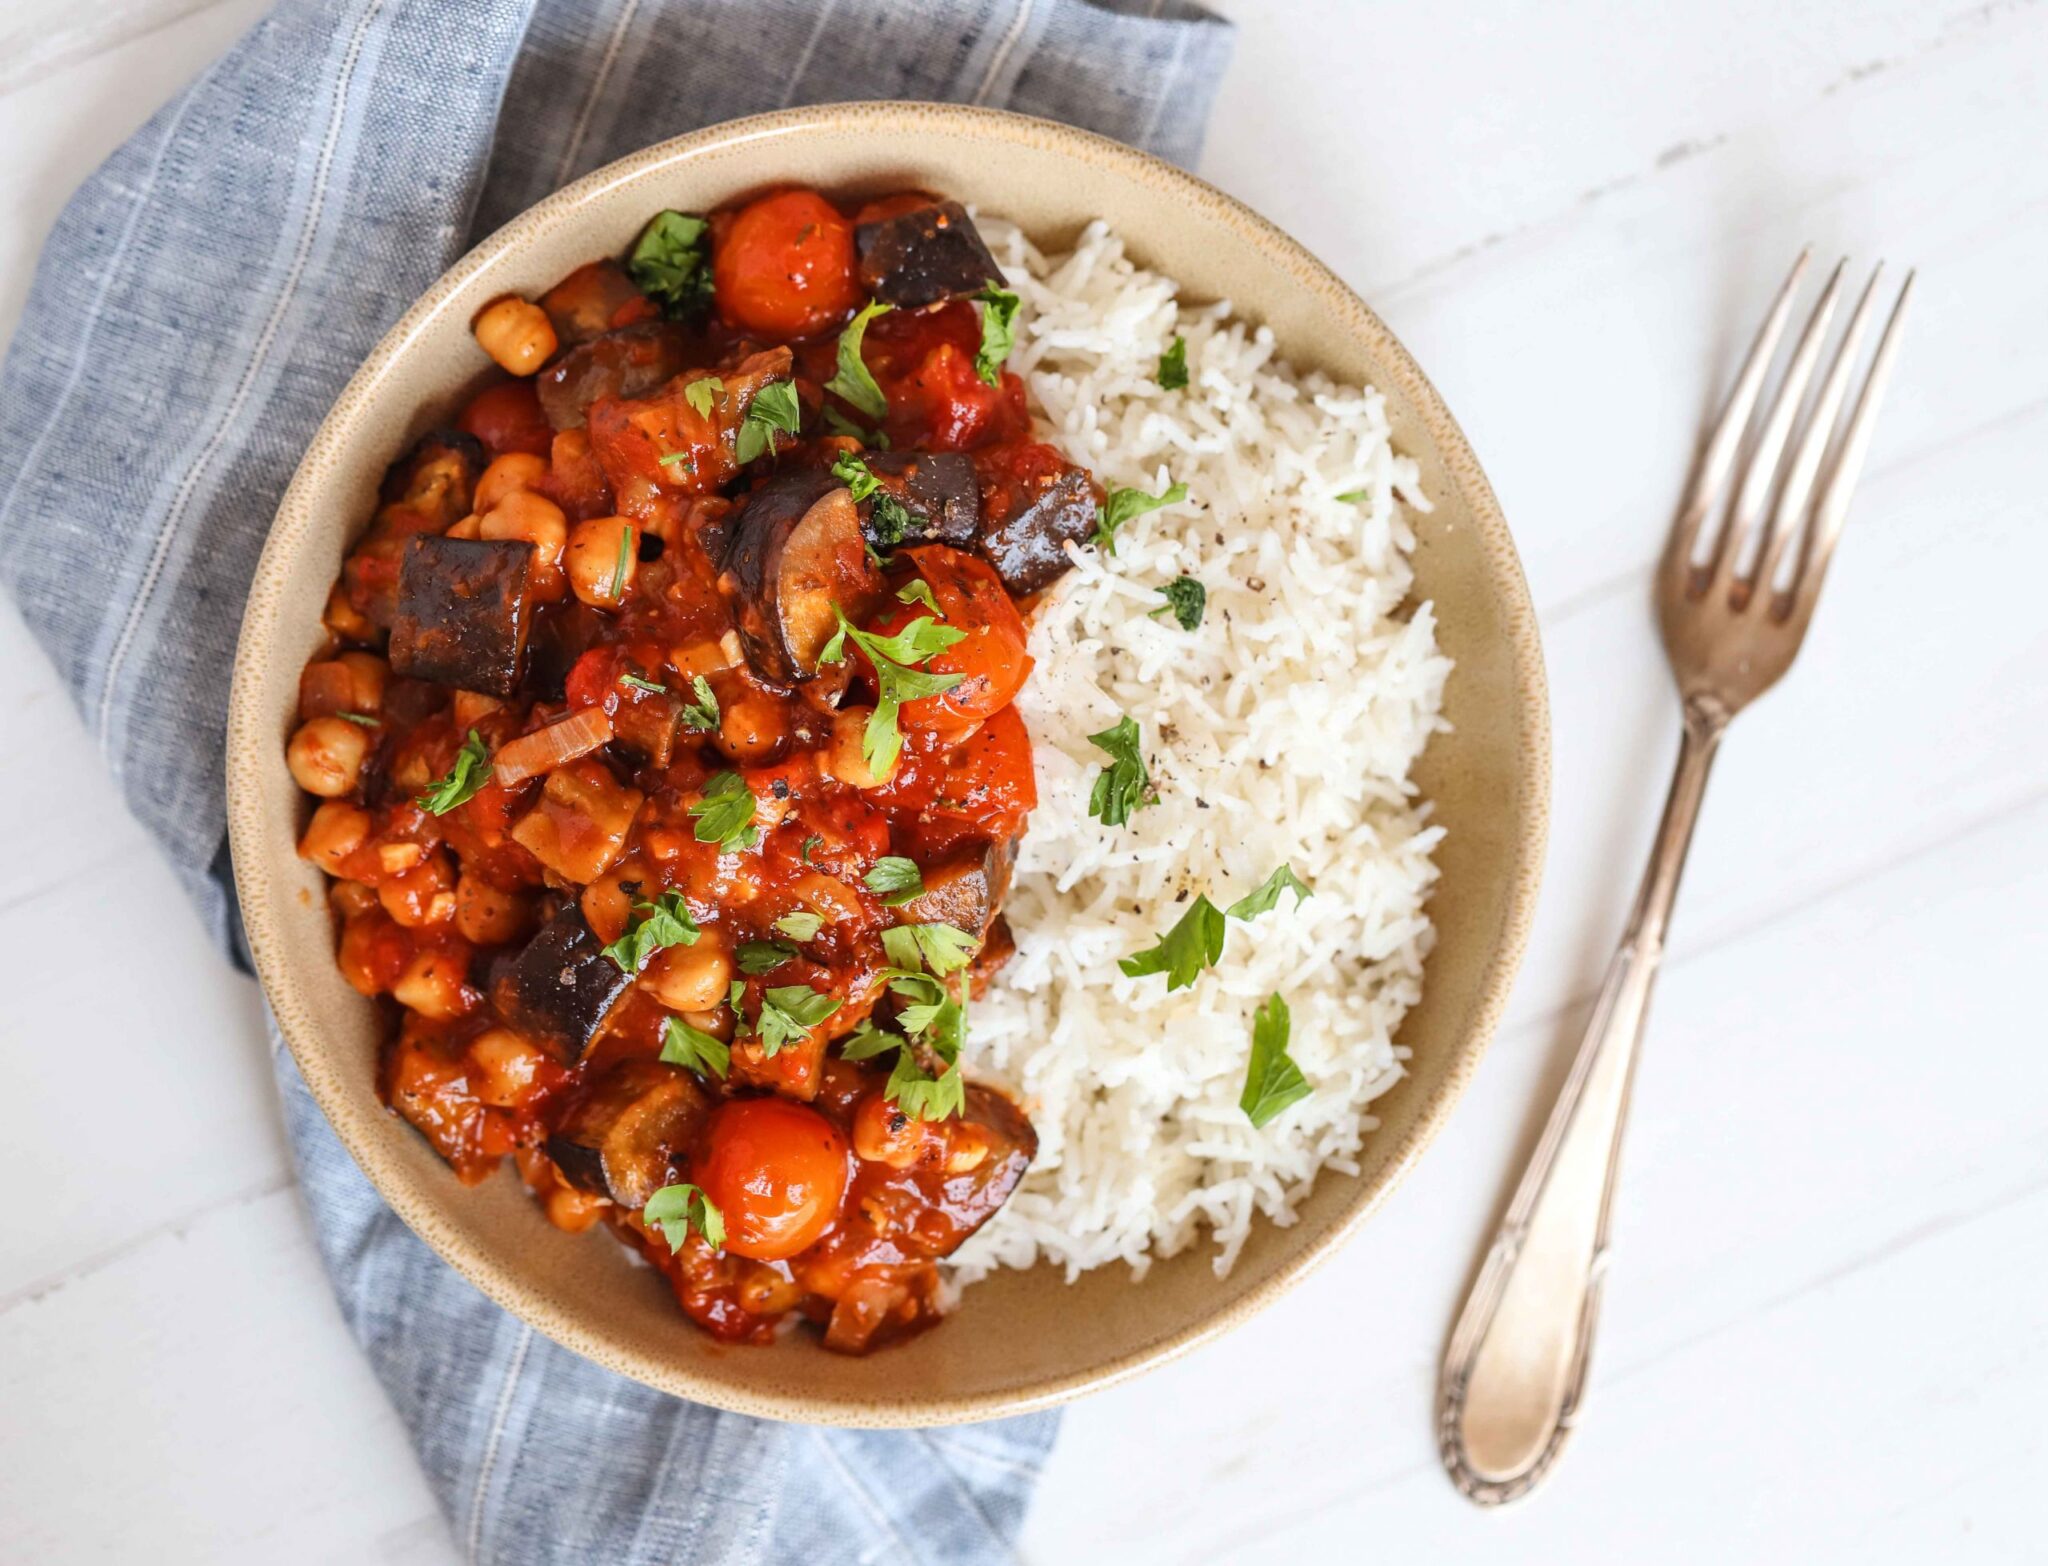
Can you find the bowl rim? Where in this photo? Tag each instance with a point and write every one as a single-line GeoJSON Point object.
{"type": "Point", "coordinates": [250, 730]}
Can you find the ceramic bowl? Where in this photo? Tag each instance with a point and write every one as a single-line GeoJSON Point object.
{"type": "Point", "coordinates": [1019, 1340]}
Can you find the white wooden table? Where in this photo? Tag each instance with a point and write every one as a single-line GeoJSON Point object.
{"type": "Point", "coordinates": [1825, 1336]}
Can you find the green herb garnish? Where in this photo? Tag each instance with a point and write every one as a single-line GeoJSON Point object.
{"type": "Point", "coordinates": [625, 558]}
{"type": "Point", "coordinates": [462, 782]}
{"type": "Point", "coordinates": [702, 394]}
{"type": "Point", "coordinates": [361, 720]}
{"type": "Point", "coordinates": [889, 520]}
{"type": "Point", "coordinates": [725, 813]}
{"type": "Point", "coordinates": [774, 411]}
{"type": "Point", "coordinates": [702, 714]}
{"type": "Point", "coordinates": [852, 381]}
{"type": "Point", "coordinates": [653, 927]}
{"type": "Point", "coordinates": [800, 926]}
{"type": "Point", "coordinates": [638, 683]}
{"type": "Point", "coordinates": [896, 680]}
{"type": "Point", "coordinates": [921, 1095]}
{"type": "Point", "coordinates": [677, 1209]}
{"type": "Point", "coordinates": [693, 1048]}
{"type": "Point", "coordinates": [1272, 1081]}
{"type": "Point", "coordinates": [1123, 505]}
{"type": "Point", "coordinates": [855, 475]}
{"type": "Point", "coordinates": [759, 957]}
{"type": "Point", "coordinates": [1185, 600]}
{"type": "Point", "coordinates": [1173, 365]}
{"type": "Point", "coordinates": [1124, 786]}
{"type": "Point", "coordinates": [998, 332]}
{"type": "Point", "coordinates": [939, 947]}
{"type": "Point", "coordinates": [1184, 951]}
{"type": "Point", "coordinates": [669, 262]}
{"type": "Point", "coordinates": [811, 842]}
{"type": "Point", "coordinates": [788, 1012]}
{"type": "Point", "coordinates": [918, 591]}
{"type": "Point", "coordinates": [1351, 497]}
{"type": "Point", "coordinates": [839, 424]}
{"type": "Point", "coordinates": [1267, 897]}
{"type": "Point", "coordinates": [895, 880]}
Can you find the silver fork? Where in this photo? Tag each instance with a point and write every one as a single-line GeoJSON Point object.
{"type": "Point", "coordinates": [1734, 603]}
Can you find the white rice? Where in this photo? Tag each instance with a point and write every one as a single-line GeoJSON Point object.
{"type": "Point", "coordinates": [1281, 731]}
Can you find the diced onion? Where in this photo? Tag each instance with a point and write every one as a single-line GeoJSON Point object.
{"type": "Point", "coordinates": [556, 745]}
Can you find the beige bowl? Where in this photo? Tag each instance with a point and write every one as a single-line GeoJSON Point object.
{"type": "Point", "coordinates": [1019, 1340]}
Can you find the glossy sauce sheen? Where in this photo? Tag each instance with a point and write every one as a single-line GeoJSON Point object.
{"type": "Point", "coordinates": [608, 523]}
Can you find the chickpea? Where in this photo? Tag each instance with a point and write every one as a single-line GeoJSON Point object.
{"type": "Point", "coordinates": [470, 526]}
{"type": "Point", "coordinates": [433, 984]}
{"type": "Point", "coordinates": [843, 758]}
{"type": "Point", "coordinates": [397, 858]}
{"type": "Point", "coordinates": [337, 830]}
{"type": "Point", "coordinates": [364, 954]}
{"type": "Point", "coordinates": [515, 332]}
{"type": "Point", "coordinates": [571, 1209]}
{"type": "Point", "coordinates": [488, 916]}
{"type": "Point", "coordinates": [326, 756]}
{"type": "Point", "coordinates": [750, 728]}
{"type": "Point", "coordinates": [351, 898]}
{"type": "Point", "coordinates": [344, 619]}
{"type": "Point", "coordinates": [719, 1023]}
{"type": "Point", "coordinates": [367, 675]}
{"type": "Point", "coordinates": [596, 550]}
{"type": "Point", "coordinates": [421, 896]}
{"type": "Point", "coordinates": [690, 978]}
{"type": "Point", "coordinates": [469, 708]}
{"type": "Point", "coordinates": [967, 1147]}
{"type": "Point", "coordinates": [506, 1067]}
{"type": "Point", "coordinates": [885, 1134]}
{"type": "Point", "coordinates": [529, 518]}
{"type": "Point", "coordinates": [507, 475]}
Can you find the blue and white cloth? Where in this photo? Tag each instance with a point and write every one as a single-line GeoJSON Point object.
{"type": "Point", "coordinates": [198, 307]}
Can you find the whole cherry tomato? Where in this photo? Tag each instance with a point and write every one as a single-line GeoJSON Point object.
{"type": "Point", "coordinates": [507, 417]}
{"type": "Point", "coordinates": [776, 1171]}
{"type": "Point", "coordinates": [990, 655]}
{"type": "Point", "coordinates": [784, 266]}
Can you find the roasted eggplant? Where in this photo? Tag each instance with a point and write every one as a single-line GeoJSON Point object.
{"type": "Point", "coordinates": [1031, 509]}
{"type": "Point", "coordinates": [596, 298]}
{"type": "Point", "coordinates": [793, 551]}
{"type": "Point", "coordinates": [438, 476]}
{"type": "Point", "coordinates": [463, 613]}
{"type": "Point", "coordinates": [924, 257]}
{"type": "Point", "coordinates": [630, 362]}
{"type": "Point", "coordinates": [965, 892]}
{"type": "Point", "coordinates": [561, 988]}
{"type": "Point", "coordinates": [937, 499]}
{"type": "Point", "coordinates": [623, 1137]}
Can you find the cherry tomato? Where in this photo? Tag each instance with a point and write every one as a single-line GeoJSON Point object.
{"type": "Point", "coordinates": [986, 781]}
{"type": "Point", "coordinates": [785, 266]}
{"type": "Point", "coordinates": [991, 654]}
{"type": "Point", "coordinates": [507, 417]}
{"type": "Point", "coordinates": [776, 1171]}
{"type": "Point", "coordinates": [924, 363]}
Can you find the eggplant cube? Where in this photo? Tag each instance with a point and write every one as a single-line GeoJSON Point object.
{"type": "Point", "coordinates": [924, 257]}
{"type": "Point", "coordinates": [463, 613]}
{"type": "Point", "coordinates": [1025, 547]}
{"type": "Point", "coordinates": [936, 490]}
{"type": "Point", "coordinates": [561, 989]}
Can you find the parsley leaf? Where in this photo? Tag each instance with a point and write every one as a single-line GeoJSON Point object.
{"type": "Point", "coordinates": [998, 332]}
{"type": "Point", "coordinates": [1123, 505]}
{"type": "Point", "coordinates": [896, 681]}
{"type": "Point", "coordinates": [939, 947]}
{"type": "Point", "coordinates": [811, 842]}
{"type": "Point", "coordinates": [1272, 1081]}
{"type": "Point", "coordinates": [1184, 951]}
{"type": "Point", "coordinates": [1124, 786]}
{"type": "Point", "coordinates": [1350, 497]}
{"type": "Point", "coordinates": [702, 393]}
{"type": "Point", "coordinates": [625, 556]}
{"type": "Point", "coordinates": [867, 1041]}
{"type": "Point", "coordinates": [693, 1048]}
{"type": "Point", "coordinates": [839, 424]}
{"type": "Point", "coordinates": [800, 926]}
{"type": "Point", "coordinates": [788, 1012]}
{"type": "Point", "coordinates": [463, 781]}
{"type": "Point", "coordinates": [702, 714]}
{"type": "Point", "coordinates": [725, 813]}
{"type": "Point", "coordinates": [639, 683]}
{"type": "Point", "coordinates": [654, 926]}
{"type": "Point", "coordinates": [889, 520]}
{"type": "Point", "coordinates": [855, 475]}
{"type": "Point", "coordinates": [361, 720]}
{"type": "Point", "coordinates": [895, 880]}
{"type": "Point", "coordinates": [669, 262]}
{"type": "Point", "coordinates": [677, 1209]}
{"type": "Point", "coordinates": [918, 591]}
{"type": "Point", "coordinates": [774, 411]}
{"type": "Point", "coordinates": [852, 380]}
{"type": "Point", "coordinates": [1173, 365]}
{"type": "Point", "coordinates": [1267, 897]}
{"type": "Point", "coordinates": [759, 957]}
{"type": "Point", "coordinates": [921, 1095]}
{"type": "Point", "coordinates": [1186, 598]}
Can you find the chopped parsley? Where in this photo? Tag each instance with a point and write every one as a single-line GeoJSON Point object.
{"type": "Point", "coordinates": [852, 380]}
{"type": "Point", "coordinates": [1196, 941]}
{"type": "Point", "coordinates": [1351, 497]}
{"type": "Point", "coordinates": [788, 1012]}
{"type": "Point", "coordinates": [811, 842]}
{"type": "Point", "coordinates": [1123, 505]}
{"type": "Point", "coordinates": [677, 1209]}
{"type": "Point", "coordinates": [939, 947]}
{"type": "Point", "coordinates": [702, 393]}
{"type": "Point", "coordinates": [625, 558]}
{"type": "Point", "coordinates": [918, 591]}
{"type": "Point", "coordinates": [1272, 1080]}
{"type": "Point", "coordinates": [679, 459]}
{"type": "Point", "coordinates": [361, 720]}
{"type": "Point", "coordinates": [839, 424]}
{"type": "Point", "coordinates": [653, 927]}
{"type": "Point", "coordinates": [889, 520]}
{"type": "Point", "coordinates": [725, 813]}
{"type": "Point", "coordinates": [693, 1048]}
{"type": "Point", "coordinates": [1124, 786]}
{"type": "Point", "coordinates": [640, 683]}
{"type": "Point", "coordinates": [921, 1095]}
{"type": "Point", "coordinates": [1173, 364]}
{"type": "Point", "coordinates": [1186, 599]}
{"type": "Point", "coordinates": [702, 714]}
{"type": "Point", "coordinates": [774, 411]}
{"type": "Point", "coordinates": [800, 926]}
{"type": "Point", "coordinates": [998, 332]}
{"type": "Point", "coordinates": [759, 957]}
{"type": "Point", "coordinates": [462, 782]}
{"type": "Point", "coordinates": [1267, 897]}
{"type": "Point", "coordinates": [669, 262]}
{"type": "Point", "coordinates": [855, 475]}
{"type": "Point", "coordinates": [895, 880]}
{"type": "Point", "coordinates": [896, 678]}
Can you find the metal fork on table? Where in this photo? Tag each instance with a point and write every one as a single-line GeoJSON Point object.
{"type": "Point", "coordinates": [1735, 593]}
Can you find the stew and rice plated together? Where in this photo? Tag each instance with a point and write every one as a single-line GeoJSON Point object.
{"type": "Point", "coordinates": [673, 769]}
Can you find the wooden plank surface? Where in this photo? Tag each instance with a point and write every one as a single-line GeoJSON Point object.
{"type": "Point", "coordinates": [1822, 1339]}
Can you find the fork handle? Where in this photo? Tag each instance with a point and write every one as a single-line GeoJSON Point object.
{"type": "Point", "coordinates": [1516, 1366]}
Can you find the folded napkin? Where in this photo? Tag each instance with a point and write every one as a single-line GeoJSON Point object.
{"type": "Point", "coordinates": [198, 307]}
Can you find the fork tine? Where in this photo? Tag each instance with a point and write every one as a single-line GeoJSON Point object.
{"type": "Point", "coordinates": [1762, 471]}
{"type": "Point", "coordinates": [1711, 475]}
{"type": "Point", "coordinates": [1813, 444]}
{"type": "Point", "coordinates": [1832, 509]}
